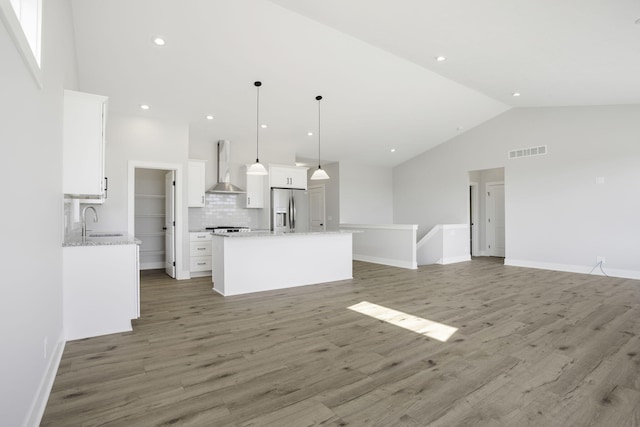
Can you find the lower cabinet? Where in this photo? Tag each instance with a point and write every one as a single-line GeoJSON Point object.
{"type": "Point", "coordinates": [100, 289]}
{"type": "Point", "coordinates": [200, 254]}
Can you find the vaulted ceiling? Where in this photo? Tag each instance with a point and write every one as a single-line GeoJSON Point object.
{"type": "Point", "coordinates": [373, 61]}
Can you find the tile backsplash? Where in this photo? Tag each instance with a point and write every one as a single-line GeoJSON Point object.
{"type": "Point", "coordinates": [223, 210]}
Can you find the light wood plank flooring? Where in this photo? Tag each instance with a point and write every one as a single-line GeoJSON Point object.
{"type": "Point", "coordinates": [534, 347]}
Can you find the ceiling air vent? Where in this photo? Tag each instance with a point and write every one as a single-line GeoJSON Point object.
{"type": "Point", "coordinates": [528, 152]}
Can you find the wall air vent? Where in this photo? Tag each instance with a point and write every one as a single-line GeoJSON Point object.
{"type": "Point", "coordinates": [528, 152]}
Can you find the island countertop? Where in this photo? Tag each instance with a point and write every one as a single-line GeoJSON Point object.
{"type": "Point", "coordinates": [266, 233]}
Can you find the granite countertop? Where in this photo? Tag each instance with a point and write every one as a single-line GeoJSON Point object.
{"type": "Point", "coordinates": [267, 233]}
{"type": "Point", "coordinates": [98, 238]}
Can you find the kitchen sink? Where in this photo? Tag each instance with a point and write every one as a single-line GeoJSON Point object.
{"type": "Point", "coordinates": [105, 234]}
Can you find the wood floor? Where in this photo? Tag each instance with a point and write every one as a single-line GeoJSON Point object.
{"type": "Point", "coordinates": [534, 347]}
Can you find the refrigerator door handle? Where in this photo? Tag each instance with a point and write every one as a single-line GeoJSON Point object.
{"type": "Point", "coordinates": [295, 214]}
{"type": "Point", "coordinates": [290, 214]}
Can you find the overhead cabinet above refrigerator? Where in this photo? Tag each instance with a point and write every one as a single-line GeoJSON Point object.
{"type": "Point", "coordinates": [287, 177]}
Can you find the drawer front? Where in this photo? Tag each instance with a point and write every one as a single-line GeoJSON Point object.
{"type": "Point", "coordinates": [200, 263]}
{"type": "Point", "coordinates": [200, 248]}
{"type": "Point", "coordinates": [199, 237]}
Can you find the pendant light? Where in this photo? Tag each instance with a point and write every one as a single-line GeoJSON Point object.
{"type": "Point", "coordinates": [257, 168]}
{"type": "Point", "coordinates": [319, 173]}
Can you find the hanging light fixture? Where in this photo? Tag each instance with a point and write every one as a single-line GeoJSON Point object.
{"type": "Point", "coordinates": [319, 173]}
{"type": "Point", "coordinates": [257, 168]}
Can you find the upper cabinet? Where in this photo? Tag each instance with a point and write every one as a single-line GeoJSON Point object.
{"type": "Point", "coordinates": [83, 153]}
{"type": "Point", "coordinates": [196, 183]}
{"type": "Point", "coordinates": [255, 191]}
{"type": "Point", "coordinates": [287, 177]}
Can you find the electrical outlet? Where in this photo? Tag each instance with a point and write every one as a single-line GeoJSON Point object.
{"type": "Point", "coordinates": [600, 259]}
{"type": "Point", "coordinates": [45, 346]}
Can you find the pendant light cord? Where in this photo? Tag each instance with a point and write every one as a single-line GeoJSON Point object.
{"type": "Point", "coordinates": [319, 98]}
{"type": "Point", "coordinates": [257, 84]}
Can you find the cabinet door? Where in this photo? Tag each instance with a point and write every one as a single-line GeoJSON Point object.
{"type": "Point", "coordinates": [83, 145]}
{"type": "Point", "coordinates": [196, 183]}
{"type": "Point", "coordinates": [255, 191]}
{"type": "Point", "coordinates": [288, 177]}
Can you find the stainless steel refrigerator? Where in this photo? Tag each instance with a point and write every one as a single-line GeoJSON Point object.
{"type": "Point", "coordinates": [289, 210]}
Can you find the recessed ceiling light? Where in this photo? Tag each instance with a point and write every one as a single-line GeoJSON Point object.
{"type": "Point", "coordinates": [209, 117]}
{"type": "Point", "coordinates": [516, 94]}
{"type": "Point", "coordinates": [440, 58]}
{"type": "Point", "coordinates": [144, 106]}
{"type": "Point", "coordinates": [459, 128]}
{"type": "Point", "coordinates": [263, 126]}
{"type": "Point", "coordinates": [393, 150]}
{"type": "Point", "coordinates": [309, 133]}
{"type": "Point", "coordinates": [158, 41]}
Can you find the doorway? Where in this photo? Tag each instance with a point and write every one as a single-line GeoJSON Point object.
{"type": "Point", "coordinates": [317, 208]}
{"type": "Point", "coordinates": [155, 215]}
{"type": "Point", "coordinates": [487, 218]}
{"type": "Point", "coordinates": [155, 218]}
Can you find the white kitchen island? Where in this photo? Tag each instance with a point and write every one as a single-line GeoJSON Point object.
{"type": "Point", "coordinates": [262, 261]}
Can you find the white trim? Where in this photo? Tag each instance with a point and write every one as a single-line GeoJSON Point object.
{"type": "Point", "coordinates": [44, 390]}
{"type": "Point", "coordinates": [181, 274]}
{"type": "Point", "coordinates": [151, 265]}
{"type": "Point", "coordinates": [386, 261]}
{"type": "Point", "coordinates": [14, 28]}
{"type": "Point", "coordinates": [455, 259]}
{"type": "Point", "coordinates": [200, 274]}
{"type": "Point", "coordinates": [571, 268]}
{"type": "Point", "coordinates": [382, 226]}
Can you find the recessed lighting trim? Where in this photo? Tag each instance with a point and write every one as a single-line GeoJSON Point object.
{"type": "Point", "coordinates": [516, 94]}
{"type": "Point", "coordinates": [309, 133]}
{"type": "Point", "coordinates": [393, 150]}
{"type": "Point", "coordinates": [209, 117]}
{"type": "Point", "coordinates": [159, 41]}
{"type": "Point", "coordinates": [440, 58]}
{"type": "Point", "coordinates": [263, 126]}
{"type": "Point", "coordinates": [144, 106]}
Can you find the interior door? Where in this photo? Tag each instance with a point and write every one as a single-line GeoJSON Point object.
{"type": "Point", "coordinates": [495, 220]}
{"type": "Point", "coordinates": [170, 224]}
{"type": "Point", "coordinates": [317, 209]}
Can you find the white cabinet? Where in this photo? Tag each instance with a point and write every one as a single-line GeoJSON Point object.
{"type": "Point", "coordinates": [255, 191]}
{"type": "Point", "coordinates": [287, 177]}
{"type": "Point", "coordinates": [83, 155]}
{"type": "Point", "coordinates": [100, 289]}
{"type": "Point", "coordinates": [196, 183]}
{"type": "Point", "coordinates": [200, 253]}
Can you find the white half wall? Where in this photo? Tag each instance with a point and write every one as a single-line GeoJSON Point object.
{"type": "Point", "coordinates": [366, 194]}
{"type": "Point", "coordinates": [32, 216]}
{"type": "Point", "coordinates": [577, 202]}
{"type": "Point", "coordinates": [388, 244]}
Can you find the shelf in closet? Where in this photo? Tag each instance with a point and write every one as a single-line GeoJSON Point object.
{"type": "Point", "coordinates": [150, 196]}
{"type": "Point", "coordinates": [152, 252]}
{"type": "Point", "coordinates": [152, 234]}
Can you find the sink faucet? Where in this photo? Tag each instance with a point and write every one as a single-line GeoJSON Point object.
{"type": "Point", "coordinates": [84, 219]}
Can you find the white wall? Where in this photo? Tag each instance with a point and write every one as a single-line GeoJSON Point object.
{"type": "Point", "coordinates": [556, 214]}
{"type": "Point", "coordinates": [31, 214]}
{"type": "Point", "coordinates": [366, 194]}
{"type": "Point", "coordinates": [140, 139]}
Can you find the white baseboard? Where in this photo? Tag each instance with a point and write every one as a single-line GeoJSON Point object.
{"type": "Point", "coordinates": [200, 273]}
{"type": "Point", "coordinates": [452, 260]}
{"type": "Point", "coordinates": [386, 261]}
{"type": "Point", "coordinates": [44, 390]}
{"type": "Point", "coordinates": [151, 265]}
{"type": "Point", "coordinates": [570, 268]}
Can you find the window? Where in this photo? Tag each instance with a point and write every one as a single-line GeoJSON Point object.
{"type": "Point", "coordinates": [23, 19]}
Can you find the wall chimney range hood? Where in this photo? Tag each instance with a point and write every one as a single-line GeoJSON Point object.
{"type": "Point", "coordinates": [224, 185]}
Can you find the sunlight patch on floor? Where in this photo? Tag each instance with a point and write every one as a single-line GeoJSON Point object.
{"type": "Point", "coordinates": [435, 330]}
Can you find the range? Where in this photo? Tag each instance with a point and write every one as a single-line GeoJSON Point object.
{"type": "Point", "coordinates": [228, 229]}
